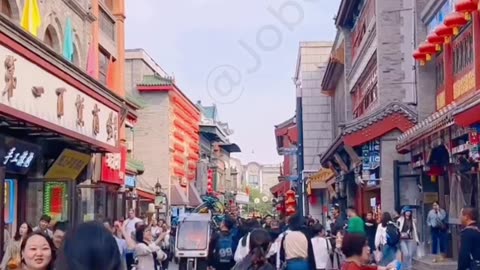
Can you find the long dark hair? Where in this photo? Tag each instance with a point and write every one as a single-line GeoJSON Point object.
{"type": "Point", "coordinates": [17, 236]}
{"type": "Point", "coordinates": [259, 246]}
{"type": "Point", "coordinates": [386, 218]}
{"type": "Point", "coordinates": [89, 246]}
{"type": "Point", "coordinates": [50, 244]}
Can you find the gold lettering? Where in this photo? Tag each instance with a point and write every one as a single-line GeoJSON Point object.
{"type": "Point", "coordinates": [464, 85]}
{"type": "Point", "coordinates": [440, 100]}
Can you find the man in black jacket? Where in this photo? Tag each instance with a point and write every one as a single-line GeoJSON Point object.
{"type": "Point", "coordinates": [470, 237]}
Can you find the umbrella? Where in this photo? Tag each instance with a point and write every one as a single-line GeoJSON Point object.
{"type": "Point", "coordinates": [31, 19]}
{"type": "Point", "coordinates": [68, 47]}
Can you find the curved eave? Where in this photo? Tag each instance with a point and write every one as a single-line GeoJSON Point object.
{"type": "Point", "coordinates": [332, 74]}
{"type": "Point", "coordinates": [231, 148]}
{"type": "Point", "coordinates": [345, 12]}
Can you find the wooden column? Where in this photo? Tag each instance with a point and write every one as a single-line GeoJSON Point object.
{"type": "Point", "coordinates": [448, 70]}
{"type": "Point", "coordinates": [476, 47]}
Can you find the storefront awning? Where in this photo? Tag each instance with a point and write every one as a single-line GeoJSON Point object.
{"type": "Point", "coordinates": [280, 188]}
{"type": "Point", "coordinates": [434, 123]}
{"type": "Point", "coordinates": [145, 194]}
{"type": "Point", "coordinates": [194, 199]}
{"type": "Point", "coordinates": [178, 196]}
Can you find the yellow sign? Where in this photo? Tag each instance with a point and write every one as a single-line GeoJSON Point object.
{"type": "Point", "coordinates": [68, 165]}
{"type": "Point", "coordinates": [464, 85]}
{"type": "Point", "coordinates": [319, 180]}
{"type": "Point", "coordinates": [441, 100]}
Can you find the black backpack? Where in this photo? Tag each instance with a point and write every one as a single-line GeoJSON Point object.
{"type": "Point", "coordinates": [393, 235]}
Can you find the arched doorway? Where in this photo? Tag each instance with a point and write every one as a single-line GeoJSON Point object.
{"type": "Point", "coordinates": [6, 8]}
{"type": "Point", "coordinates": [51, 39]}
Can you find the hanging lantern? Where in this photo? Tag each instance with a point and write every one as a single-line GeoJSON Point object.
{"type": "Point", "coordinates": [466, 7]}
{"type": "Point", "coordinates": [455, 20]}
{"type": "Point", "coordinates": [290, 203]}
{"type": "Point", "coordinates": [437, 40]}
{"type": "Point", "coordinates": [420, 57]}
{"type": "Point", "coordinates": [445, 32]}
{"type": "Point", "coordinates": [428, 49]}
{"type": "Point", "coordinates": [435, 172]}
{"type": "Point", "coordinates": [210, 181]}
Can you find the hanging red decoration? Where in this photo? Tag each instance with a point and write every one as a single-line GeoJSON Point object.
{"type": "Point", "coordinates": [466, 7]}
{"type": "Point", "coordinates": [428, 49]}
{"type": "Point", "coordinates": [435, 172]}
{"type": "Point", "coordinates": [437, 40]}
{"type": "Point", "coordinates": [455, 20]}
{"type": "Point", "coordinates": [290, 202]}
{"type": "Point", "coordinates": [313, 199]}
{"type": "Point", "coordinates": [420, 57]}
{"type": "Point", "coordinates": [210, 181]}
{"type": "Point", "coordinates": [445, 32]}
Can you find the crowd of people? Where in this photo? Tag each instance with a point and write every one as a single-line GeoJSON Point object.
{"type": "Point", "coordinates": [292, 243]}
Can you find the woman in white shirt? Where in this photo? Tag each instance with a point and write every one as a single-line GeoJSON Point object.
{"type": "Point", "coordinates": [322, 248]}
{"type": "Point", "coordinates": [148, 252]}
{"type": "Point", "coordinates": [388, 253]}
{"type": "Point", "coordinates": [408, 237]}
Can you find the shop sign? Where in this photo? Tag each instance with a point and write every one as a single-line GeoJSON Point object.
{"type": "Point", "coordinates": [113, 167]}
{"type": "Point", "coordinates": [464, 85]}
{"type": "Point", "coordinates": [17, 156]}
{"type": "Point", "coordinates": [54, 101]}
{"type": "Point", "coordinates": [371, 155]}
{"type": "Point", "coordinates": [68, 165]}
{"type": "Point", "coordinates": [9, 203]}
{"type": "Point", "coordinates": [130, 180]}
{"type": "Point", "coordinates": [439, 18]}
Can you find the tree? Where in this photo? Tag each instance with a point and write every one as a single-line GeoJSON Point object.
{"type": "Point", "coordinates": [263, 208]}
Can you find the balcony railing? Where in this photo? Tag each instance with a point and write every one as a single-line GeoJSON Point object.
{"type": "Point", "coordinates": [107, 24]}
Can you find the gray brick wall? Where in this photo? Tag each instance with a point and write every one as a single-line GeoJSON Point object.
{"type": "Point", "coordinates": [317, 116]}
{"type": "Point", "coordinates": [152, 135]}
{"type": "Point", "coordinates": [135, 69]}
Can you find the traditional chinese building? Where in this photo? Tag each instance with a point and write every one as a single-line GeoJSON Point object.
{"type": "Point", "coordinates": [443, 146]}
{"type": "Point", "coordinates": [166, 133]}
{"type": "Point", "coordinates": [54, 113]}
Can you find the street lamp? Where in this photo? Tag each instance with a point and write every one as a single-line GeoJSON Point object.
{"type": "Point", "coordinates": [158, 198]}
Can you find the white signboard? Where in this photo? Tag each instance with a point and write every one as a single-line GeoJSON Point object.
{"type": "Point", "coordinates": [29, 88]}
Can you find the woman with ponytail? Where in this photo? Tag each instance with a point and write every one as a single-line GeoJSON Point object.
{"type": "Point", "coordinates": [256, 259]}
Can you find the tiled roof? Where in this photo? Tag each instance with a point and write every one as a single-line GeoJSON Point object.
{"type": "Point", "coordinates": [135, 166]}
{"type": "Point", "coordinates": [156, 80]}
{"type": "Point", "coordinates": [210, 112]}
{"type": "Point", "coordinates": [442, 118]}
{"type": "Point", "coordinates": [136, 100]}
{"type": "Point", "coordinates": [378, 115]}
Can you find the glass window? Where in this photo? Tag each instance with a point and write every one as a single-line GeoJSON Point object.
{"type": "Point", "coordinates": [91, 203]}
{"type": "Point", "coordinates": [193, 235]}
{"type": "Point", "coordinates": [104, 61]}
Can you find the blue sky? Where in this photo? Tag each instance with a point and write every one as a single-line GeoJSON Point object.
{"type": "Point", "coordinates": [240, 55]}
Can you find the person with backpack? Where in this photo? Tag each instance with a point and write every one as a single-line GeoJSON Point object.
{"type": "Point", "coordinates": [387, 240]}
{"type": "Point", "coordinates": [222, 247]}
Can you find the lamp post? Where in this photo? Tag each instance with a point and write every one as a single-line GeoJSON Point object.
{"type": "Point", "coordinates": [158, 198]}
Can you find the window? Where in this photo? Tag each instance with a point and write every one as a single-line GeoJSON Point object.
{"type": "Point", "coordinates": [51, 39]}
{"type": "Point", "coordinates": [253, 180]}
{"type": "Point", "coordinates": [463, 53]}
{"type": "Point", "coordinates": [5, 8]}
{"type": "Point", "coordinates": [439, 74]}
{"type": "Point", "coordinates": [104, 61]}
{"type": "Point", "coordinates": [107, 24]}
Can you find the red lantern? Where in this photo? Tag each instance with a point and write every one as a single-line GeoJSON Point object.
{"type": "Point", "coordinates": [421, 57]}
{"type": "Point", "coordinates": [445, 32]}
{"type": "Point", "coordinates": [290, 202]}
{"type": "Point", "coordinates": [210, 181]}
{"type": "Point", "coordinates": [428, 49]}
{"type": "Point", "coordinates": [466, 7]}
{"type": "Point", "coordinates": [437, 40]}
{"type": "Point", "coordinates": [435, 172]}
{"type": "Point", "coordinates": [455, 20]}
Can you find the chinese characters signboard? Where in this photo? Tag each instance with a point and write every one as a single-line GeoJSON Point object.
{"type": "Point", "coordinates": [17, 156]}
{"type": "Point", "coordinates": [68, 165]}
{"type": "Point", "coordinates": [113, 167]}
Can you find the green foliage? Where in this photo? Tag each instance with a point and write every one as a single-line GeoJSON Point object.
{"type": "Point", "coordinates": [261, 207]}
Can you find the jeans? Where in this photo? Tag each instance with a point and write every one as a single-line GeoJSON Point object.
{"type": "Point", "coordinates": [408, 248]}
{"type": "Point", "coordinates": [297, 265]}
{"type": "Point", "coordinates": [389, 254]}
{"type": "Point", "coordinates": [438, 239]}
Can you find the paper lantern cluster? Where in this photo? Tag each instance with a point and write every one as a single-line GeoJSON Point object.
{"type": "Point", "coordinates": [290, 203]}
{"type": "Point", "coordinates": [443, 33]}
{"type": "Point", "coordinates": [210, 181]}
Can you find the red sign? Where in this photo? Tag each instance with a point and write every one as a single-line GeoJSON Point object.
{"type": "Point", "coordinates": [114, 166]}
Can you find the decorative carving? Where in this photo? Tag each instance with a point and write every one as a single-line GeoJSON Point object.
{"type": "Point", "coordinates": [115, 127]}
{"type": "Point", "coordinates": [60, 108]}
{"type": "Point", "coordinates": [10, 79]}
{"type": "Point", "coordinates": [110, 125]}
{"type": "Point", "coordinates": [37, 91]}
{"type": "Point", "coordinates": [96, 121]}
{"type": "Point", "coordinates": [79, 105]}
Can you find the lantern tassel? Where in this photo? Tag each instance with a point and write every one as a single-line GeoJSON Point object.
{"type": "Point", "coordinates": [468, 16]}
{"type": "Point", "coordinates": [438, 47]}
{"type": "Point", "coordinates": [447, 40]}
{"type": "Point", "coordinates": [455, 31]}
{"type": "Point", "coordinates": [429, 57]}
{"type": "Point", "coordinates": [422, 62]}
